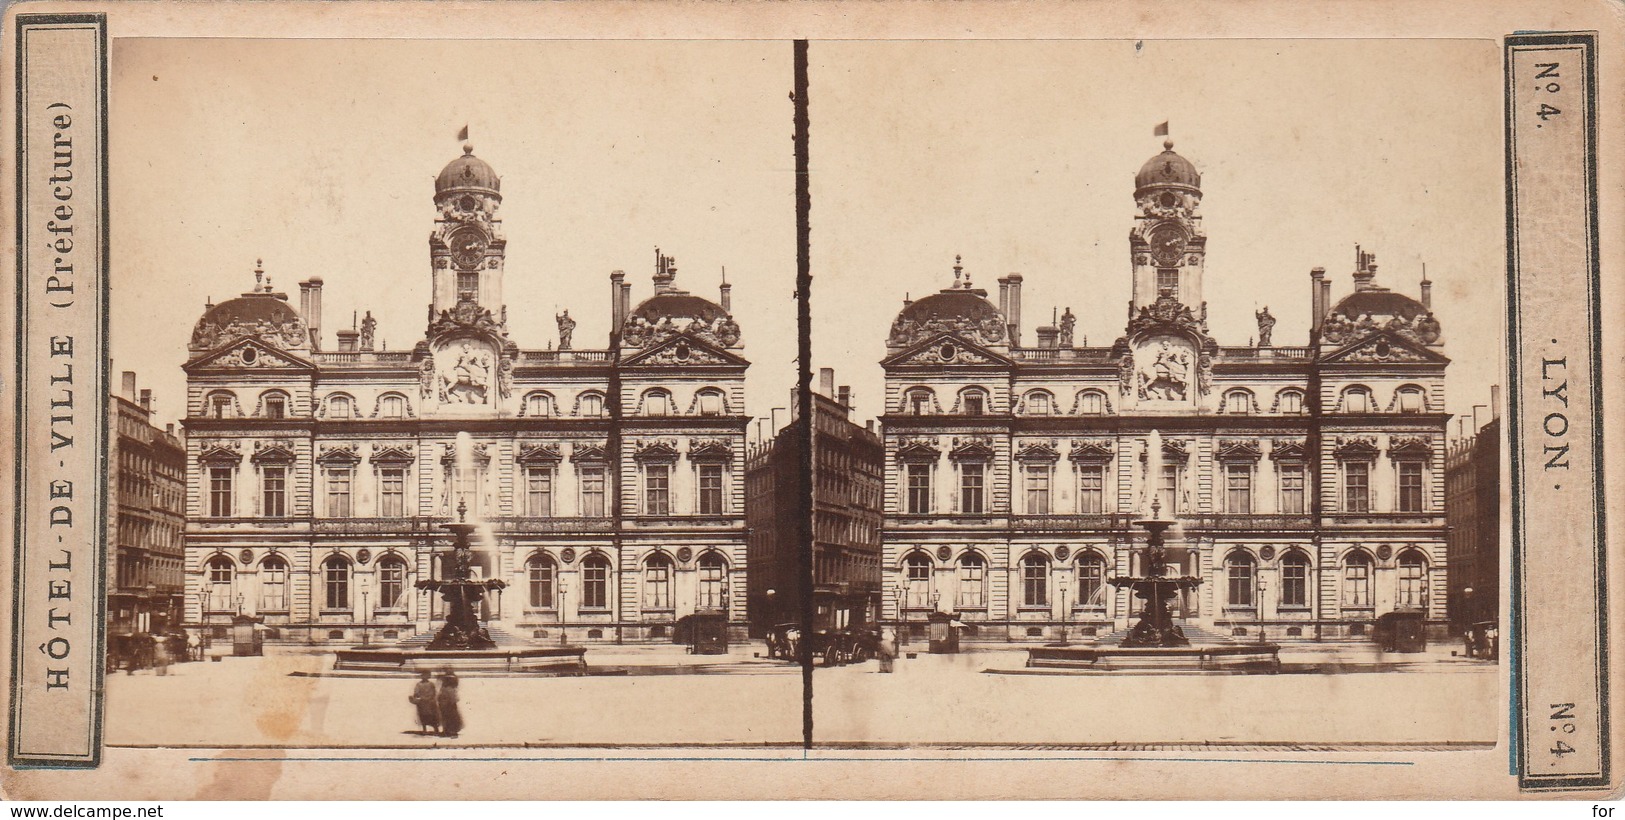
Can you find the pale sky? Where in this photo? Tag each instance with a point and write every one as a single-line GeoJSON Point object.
{"type": "Point", "coordinates": [1021, 156]}
{"type": "Point", "coordinates": [319, 157]}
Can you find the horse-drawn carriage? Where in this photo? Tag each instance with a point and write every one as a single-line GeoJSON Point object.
{"type": "Point", "coordinates": [833, 646]}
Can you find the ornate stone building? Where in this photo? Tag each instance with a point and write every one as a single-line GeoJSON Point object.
{"type": "Point", "coordinates": [1307, 479]}
{"type": "Point", "coordinates": [608, 479]}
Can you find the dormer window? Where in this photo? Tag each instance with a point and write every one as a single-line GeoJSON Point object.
{"type": "Point", "coordinates": [1238, 402]}
{"type": "Point", "coordinates": [220, 405]}
{"type": "Point", "coordinates": [973, 402]}
{"type": "Point", "coordinates": [392, 407]}
{"type": "Point", "coordinates": [1038, 403]}
{"type": "Point", "coordinates": [339, 407]}
{"type": "Point", "coordinates": [657, 403]}
{"type": "Point", "coordinates": [1357, 400]}
{"type": "Point", "coordinates": [711, 402]}
{"type": "Point", "coordinates": [592, 405]}
{"type": "Point", "coordinates": [538, 404]}
{"type": "Point", "coordinates": [917, 402]}
{"type": "Point", "coordinates": [1291, 402]}
{"type": "Point", "coordinates": [1091, 403]}
{"type": "Point", "coordinates": [1411, 400]}
{"type": "Point", "coordinates": [276, 406]}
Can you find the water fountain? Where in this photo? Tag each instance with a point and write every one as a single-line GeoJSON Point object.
{"type": "Point", "coordinates": [463, 643]}
{"type": "Point", "coordinates": [1156, 641]}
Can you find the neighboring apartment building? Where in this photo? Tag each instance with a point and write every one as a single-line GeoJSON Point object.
{"type": "Point", "coordinates": [846, 491]}
{"type": "Point", "coordinates": [147, 484]}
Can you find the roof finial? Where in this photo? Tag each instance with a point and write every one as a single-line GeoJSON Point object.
{"type": "Point", "coordinates": [259, 273]}
{"type": "Point", "coordinates": [958, 270]}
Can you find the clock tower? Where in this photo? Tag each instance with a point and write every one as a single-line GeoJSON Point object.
{"type": "Point", "coordinates": [1166, 244]}
{"type": "Point", "coordinates": [466, 248]}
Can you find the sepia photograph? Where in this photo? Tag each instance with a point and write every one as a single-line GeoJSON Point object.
{"type": "Point", "coordinates": [826, 402]}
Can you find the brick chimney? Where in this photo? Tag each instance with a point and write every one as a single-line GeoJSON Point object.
{"type": "Point", "coordinates": [826, 381]}
{"type": "Point", "coordinates": [146, 400]}
{"type": "Point", "coordinates": [844, 396]}
{"type": "Point", "coordinates": [1010, 303]}
{"type": "Point", "coordinates": [127, 384]}
{"type": "Point", "coordinates": [1317, 298]}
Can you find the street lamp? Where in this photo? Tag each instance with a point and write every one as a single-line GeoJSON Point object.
{"type": "Point", "coordinates": [902, 634]}
{"type": "Point", "coordinates": [563, 591]}
{"type": "Point", "coordinates": [366, 614]}
{"type": "Point", "coordinates": [1062, 583]}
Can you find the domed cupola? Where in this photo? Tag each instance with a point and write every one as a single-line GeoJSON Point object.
{"type": "Point", "coordinates": [959, 308]}
{"type": "Point", "coordinates": [467, 174]}
{"type": "Point", "coordinates": [261, 313]}
{"type": "Point", "coordinates": [1167, 170]}
{"type": "Point", "coordinates": [671, 311]}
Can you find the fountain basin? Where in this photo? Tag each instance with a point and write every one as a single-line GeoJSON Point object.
{"type": "Point", "coordinates": [1250, 657]}
{"type": "Point", "coordinates": [528, 659]}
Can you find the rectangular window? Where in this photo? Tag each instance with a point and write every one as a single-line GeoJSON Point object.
{"type": "Point", "coordinates": [392, 492]}
{"type": "Point", "coordinates": [220, 491]}
{"type": "Point", "coordinates": [1238, 488]}
{"type": "Point", "coordinates": [973, 404]}
{"type": "Point", "coordinates": [275, 485]}
{"type": "Point", "coordinates": [1291, 478]}
{"type": "Point", "coordinates": [276, 407]}
{"type": "Point", "coordinates": [468, 284]}
{"type": "Point", "coordinates": [1295, 583]}
{"type": "Point", "coordinates": [972, 580]}
{"type": "Point", "coordinates": [972, 487]}
{"type": "Point", "coordinates": [657, 489]}
{"type": "Point", "coordinates": [710, 476]}
{"type": "Point", "coordinates": [1410, 486]}
{"type": "Point", "coordinates": [1356, 487]}
{"type": "Point", "coordinates": [1037, 486]}
{"type": "Point", "coordinates": [592, 491]}
{"type": "Point", "coordinates": [595, 586]}
{"type": "Point", "coordinates": [919, 488]}
{"type": "Point", "coordinates": [274, 587]}
{"type": "Point", "coordinates": [1168, 280]}
{"type": "Point", "coordinates": [539, 491]}
{"type": "Point", "coordinates": [338, 492]}
{"type": "Point", "coordinates": [1169, 489]}
{"type": "Point", "coordinates": [1091, 488]}
{"type": "Point", "coordinates": [1240, 576]}
{"type": "Point", "coordinates": [1034, 583]}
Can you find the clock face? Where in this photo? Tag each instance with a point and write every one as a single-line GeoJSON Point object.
{"type": "Point", "coordinates": [467, 248]}
{"type": "Point", "coordinates": [1167, 244]}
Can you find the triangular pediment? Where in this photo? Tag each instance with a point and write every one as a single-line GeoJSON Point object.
{"type": "Point", "coordinates": [249, 354]}
{"type": "Point", "coordinates": [1384, 347]}
{"type": "Point", "coordinates": [684, 350]}
{"type": "Point", "coordinates": [945, 350]}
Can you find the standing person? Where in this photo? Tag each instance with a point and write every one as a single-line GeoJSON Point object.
{"type": "Point", "coordinates": [451, 718]}
{"type": "Point", "coordinates": [887, 651]}
{"type": "Point", "coordinates": [194, 646]}
{"type": "Point", "coordinates": [160, 654]}
{"type": "Point", "coordinates": [426, 699]}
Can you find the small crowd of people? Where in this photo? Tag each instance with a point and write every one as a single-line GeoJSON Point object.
{"type": "Point", "coordinates": [437, 704]}
{"type": "Point", "coordinates": [153, 650]}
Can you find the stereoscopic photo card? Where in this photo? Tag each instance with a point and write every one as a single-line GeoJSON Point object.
{"type": "Point", "coordinates": [502, 401]}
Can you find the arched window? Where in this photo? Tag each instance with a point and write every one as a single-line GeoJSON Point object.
{"type": "Point", "coordinates": [917, 572]}
{"type": "Point", "coordinates": [273, 584]}
{"type": "Point", "coordinates": [1413, 589]}
{"type": "Point", "coordinates": [1238, 402]}
{"type": "Point", "coordinates": [221, 404]}
{"type": "Point", "coordinates": [1035, 580]}
{"type": "Point", "coordinates": [392, 406]}
{"type": "Point", "coordinates": [595, 582]}
{"type": "Point", "coordinates": [711, 402]}
{"type": "Point", "coordinates": [1240, 573]}
{"type": "Point", "coordinates": [541, 572]}
{"type": "Point", "coordinates": [539, 404]}
{"type": "Point", "coordinates": [657, 582]}
{"type": "Point", "coordinates": [1295, 580]}
{"type": "Point", "coordinates": [973, 401]}
{"type": "Point", "coordinates": [339, 406]}
{"type": "Point", "coordinates": [1091, 580]}
{"type": "Point", "coordinates": [657, 403]}
{"type": "Point", "coordinates": [972, 581]}
{"type": "Point", "coordinates": [1357, 399]}
{"type": "Point", "coordinates": [1091, 403]}
{"type": "Point", "coordinates": [1410, 399]}
{"type": "Point", "coordinates": [391, 582]}
{"type": "Point", "coordinates": [713, 588]}
{"type": "Point", "coordinates": [592, 404]}
{"type": "Point", "coordinates": [221, 574]}
{"type": "Point", "coordinates": [1040, 403]}
{"type": "Point", "coordinates": [335, 583]}
{"type": "Point", "coordinates": [1290, 402]}
{"type": "Point", "coordinates": [1357, 580]}
{"type": "Point", "coordinates": [919, 401]}
{"type": "Point", "coordinates": [274, 404]}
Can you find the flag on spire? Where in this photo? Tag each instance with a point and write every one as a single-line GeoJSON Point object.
{"type": "Point", "coordinates": [1160, 130]}
{"type": "Point", "coordinates": [463, 134]}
